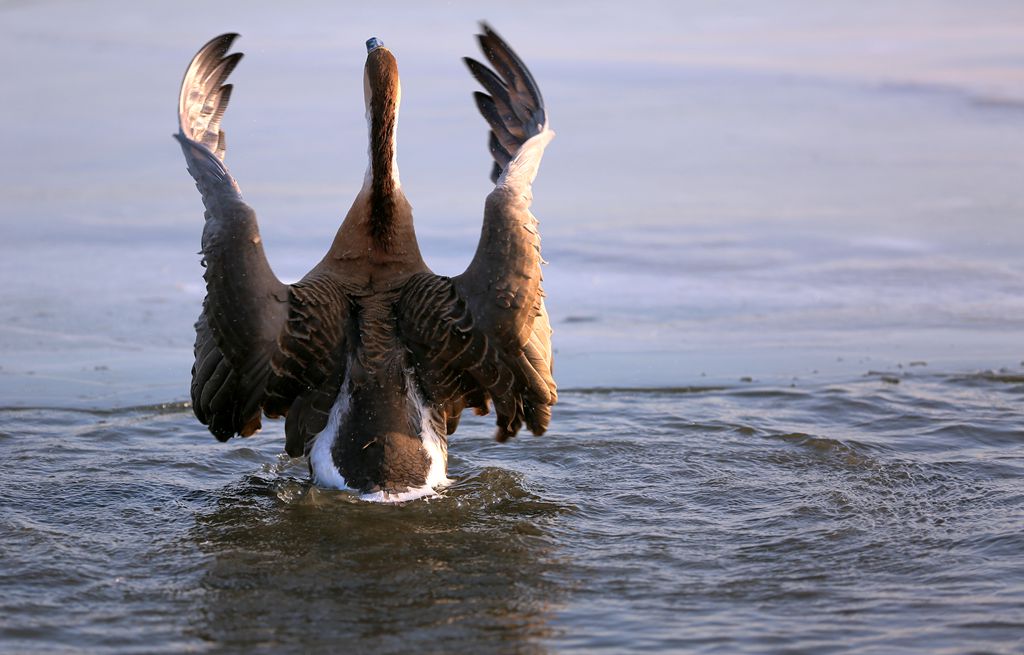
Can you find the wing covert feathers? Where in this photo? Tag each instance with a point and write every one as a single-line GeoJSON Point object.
{"type": "Point", "coordinates": [460, 365]}
{"type": "Point", "coordinates": [311, 345]}
{"type": "Point", "coordinates": [310, 363]}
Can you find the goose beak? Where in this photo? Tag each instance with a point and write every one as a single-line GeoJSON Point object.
{"type": "Point", "coordinates": [373, 43]}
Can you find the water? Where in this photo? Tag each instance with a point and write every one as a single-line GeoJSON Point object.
{"type": "Point", "coordinates": [787, 295]}
{"type": "Point", "coordinates": [868, 516]}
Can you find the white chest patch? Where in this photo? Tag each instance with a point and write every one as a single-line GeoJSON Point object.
{"type": "Point", "coordinates": [326, 474]}
{"type": "Point", "coordinates": [321, 462]}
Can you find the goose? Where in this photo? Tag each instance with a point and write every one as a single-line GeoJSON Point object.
{"type": "Point", "coordinates": [371, 358]}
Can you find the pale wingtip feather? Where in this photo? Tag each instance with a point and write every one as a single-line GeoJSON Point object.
{"type": "Point", "coordinates": [208, 58]}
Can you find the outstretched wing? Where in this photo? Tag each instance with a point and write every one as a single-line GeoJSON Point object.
{"type": "Point", "coordinates": [485, 333]}
{"type": "Point", "coordinates": [260, 345]}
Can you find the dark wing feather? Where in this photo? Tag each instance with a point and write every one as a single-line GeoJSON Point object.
{"type": "Point", "coordinates": [501, 289]}
{"type": "Point", "coordinates": [308, 416]}
{"type": "Point", "coordinates": [458, 365]}
{"type": "Point", "coordinates": [310, 362]}
{"type": "Point", "coordinates": [514, 108]}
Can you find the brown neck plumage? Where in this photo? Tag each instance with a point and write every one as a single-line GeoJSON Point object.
{"type": "Point", "coordinates": [384, 93]}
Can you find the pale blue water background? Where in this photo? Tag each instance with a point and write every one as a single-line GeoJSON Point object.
{"type": "Point", "coordinates": [812, 197]}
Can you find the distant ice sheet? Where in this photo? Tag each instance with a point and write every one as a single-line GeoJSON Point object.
{"type": "Point", "coordinates": [741, 190]}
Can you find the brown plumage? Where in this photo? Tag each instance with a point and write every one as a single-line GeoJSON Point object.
{"type": "Point", "coordinates": [371, 357]}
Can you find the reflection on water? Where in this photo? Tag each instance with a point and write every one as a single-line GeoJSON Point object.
{"type": "Point", "coordinates": [858, 515]}
{"type": "Point", "coordinates": [294, 565]}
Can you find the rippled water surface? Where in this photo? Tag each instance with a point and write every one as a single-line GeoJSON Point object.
{"type": "Point", "coordinates": [787, 290]}
{"type": "Point", "coordinates": [863, 515]}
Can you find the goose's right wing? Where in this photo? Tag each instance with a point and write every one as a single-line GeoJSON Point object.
{"type": "Point", "coordinates": [261, 346]}
{"type": "Point", "coordinates": [485, 333]}
{"type": "Point", "coordinates": [502, 285]}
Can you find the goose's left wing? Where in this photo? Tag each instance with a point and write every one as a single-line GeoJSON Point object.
{"type": "Point", "coordinates": [485, 335]}
{"type": "Point", "coordinates": [262, 347]}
